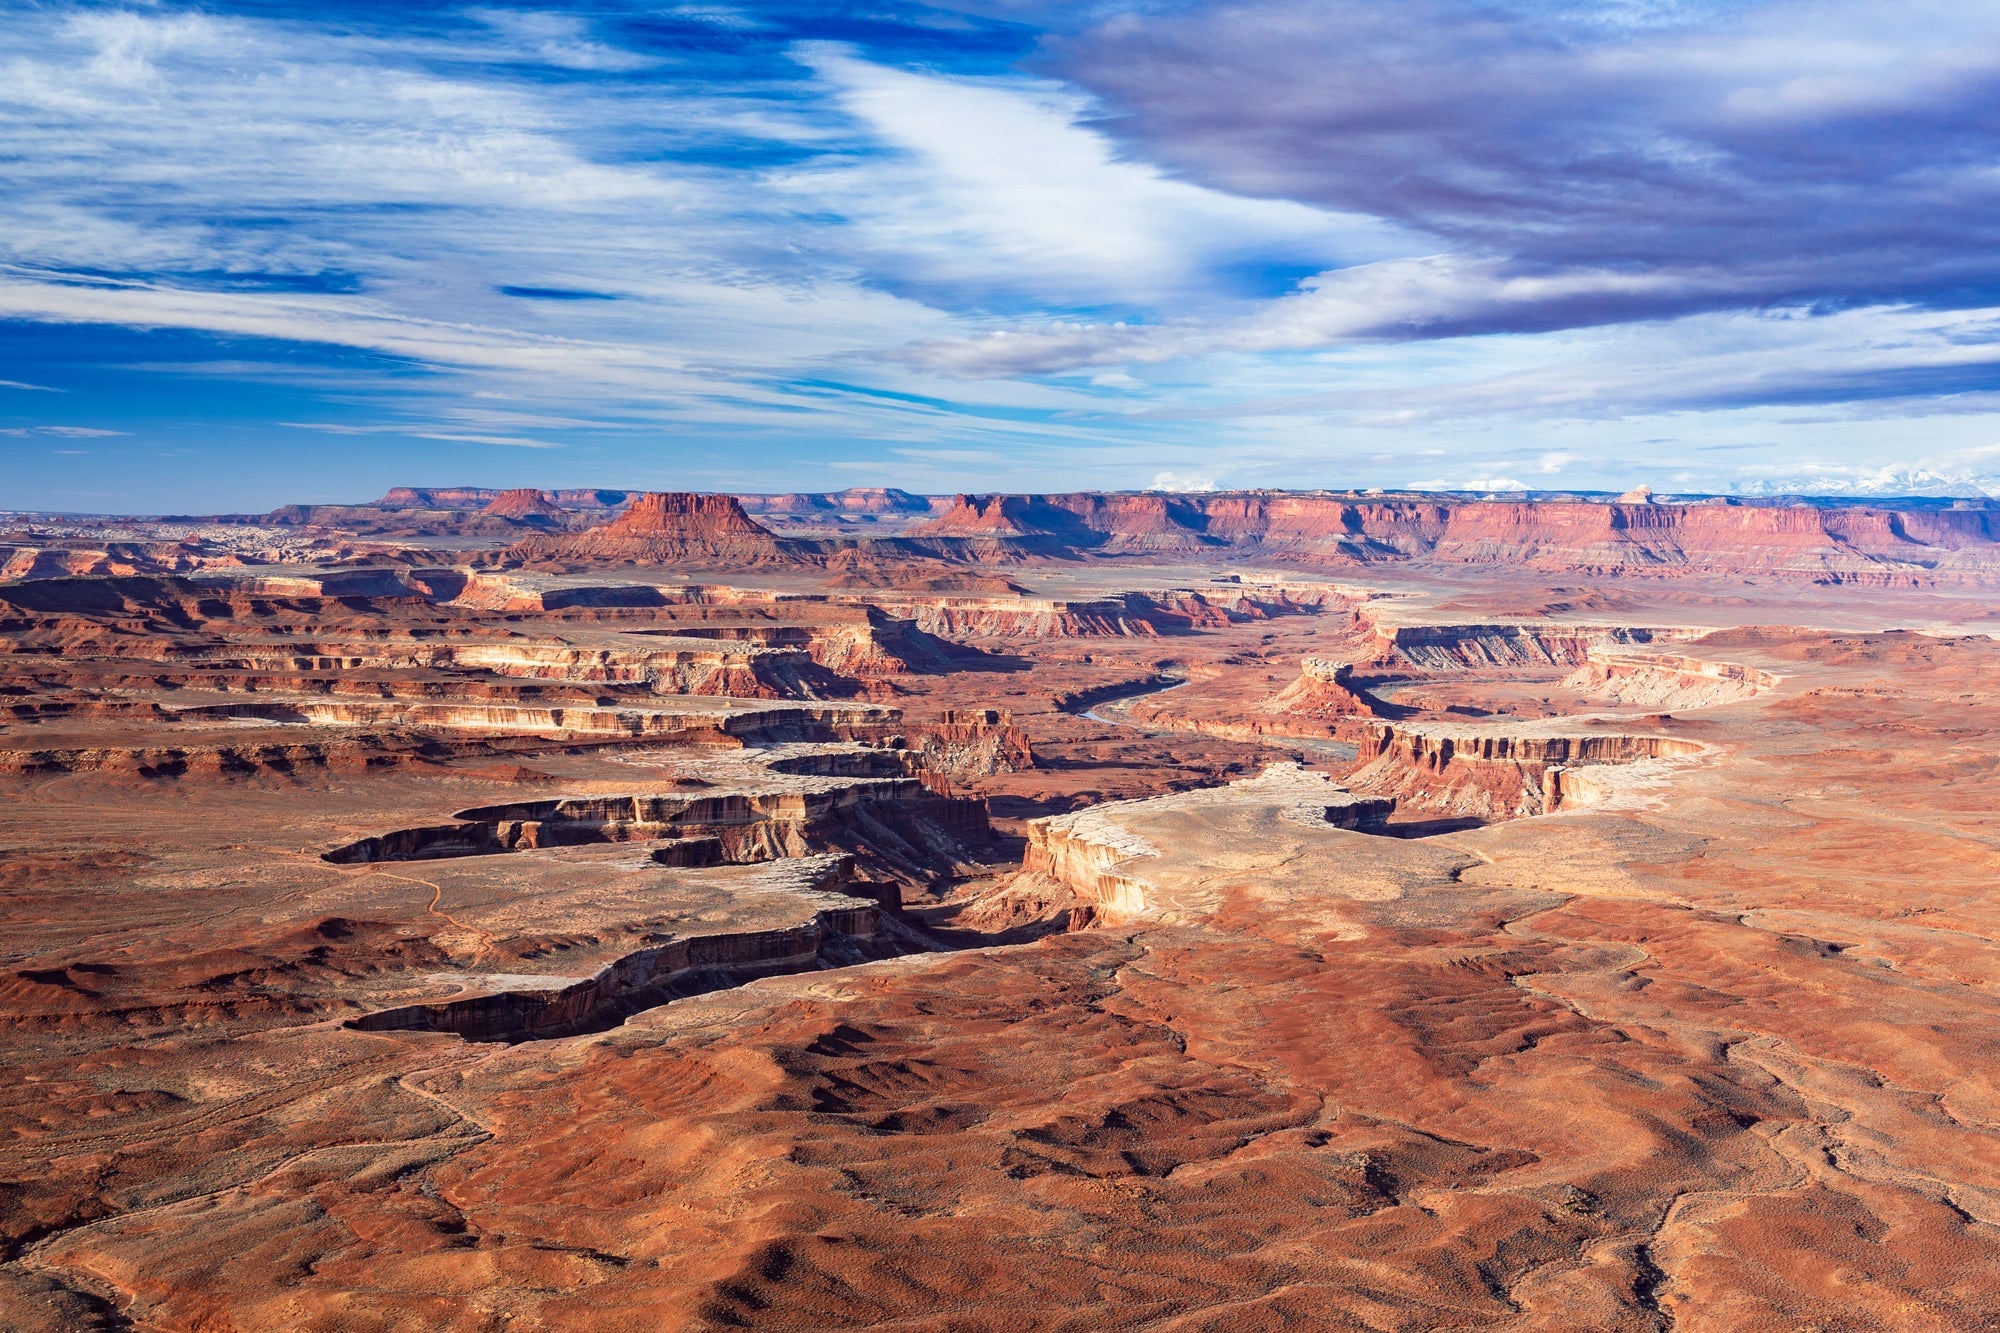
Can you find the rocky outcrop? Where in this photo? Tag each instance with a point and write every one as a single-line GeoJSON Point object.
{"type": "Point", "coordinates": [530, 506]}
{"type": "Point", "coordinates": [1086, 853]}
{"type": "Point", "coordinates": [1663, 681]}
{"type": "Point", "coordinates": [1461, 647]}
{"type": "Point", "coordinates": [1097, 857]}
{"type": "Point", "coordinates": [967, 743]}
{"type": "Point", "coordinates": [684, 516]}
{"type": "Point", "coordinates": [393, 735]}
{"type": "Point", "coordinates": [473, 717]}
{"type": "Point", "coordinates": [747, 671]}
{"type": "Point", "coordinates": [1492, 773]}
{"type": "Point", "coordinates": [1324, 691]}
{"type": "Point", "coordinates": [743, 671]}
{"type": "Point", "coordinates": [665, 528]}
{"type": "Point", "coordinates": [839, 932]}
{"type": "Point", "coordinates": [1128, 615]}
{"type": "Point", "coordinates": [898, 823]}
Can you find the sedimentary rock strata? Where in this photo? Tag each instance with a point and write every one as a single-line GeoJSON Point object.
{"type": "Point", "coordinates": [1155, 935]}
{"type": "Point", "coordinates": [665, 528]}
{"type": "Point", "coordinates": [1651, 680]}
{"type": "Point", "coordinates": [1097, 855]}
{"type": "Point", "coordinates": [1501, 772]}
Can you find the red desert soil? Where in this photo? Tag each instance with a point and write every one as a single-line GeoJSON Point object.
{"type": "Point", "coordinates": [1329, 933]}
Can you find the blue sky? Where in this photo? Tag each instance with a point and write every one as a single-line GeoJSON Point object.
{"type": "Point", "coordinates": [261, 252]}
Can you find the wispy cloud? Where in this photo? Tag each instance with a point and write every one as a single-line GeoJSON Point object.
{"type": "Point", "coordinates": [1432, 296]}
{"type": "Point", "coordinates": [1269, 241]}
{"type": "Point", "coordinates": [997, 187]}
{"type": "Point", "coordinates": [417, 432]}
{"type": "Point", "coordinates": [505, 441]}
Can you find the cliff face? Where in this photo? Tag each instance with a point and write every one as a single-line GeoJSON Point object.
{"type": "Point", "coordinates": [969, 743]}
{"type": "Point", "coordinates": [684, 515]}
{"type": "Point", "coordinates": [1461, 647]}
{"type": "Point", "coordinates": [1663, 681]}
{"type": "Point", "coordinates": [1324, 690]}
{"type": "Point", "coordinates": [1493, 774]}
{"type": "Point", "coordinates": [1841, 545]}
{"type": "Point", "coordinates": [1881, 545]}
{"type": "Point", "coordinates": [1849, 545]}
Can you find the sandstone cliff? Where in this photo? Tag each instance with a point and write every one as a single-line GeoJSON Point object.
{"type": "Point", "coordinates": [665, 528]}
{"type": "Point", "coordinates": [1497, 773]}
{"type": "Point", "coordinates": [1324, 690]}
{"type": "Point", "coordinates": [1836, 544]}
{"type": "Point", "coordinates": [529, 505]}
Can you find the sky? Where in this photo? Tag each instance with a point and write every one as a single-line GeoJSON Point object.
{"type": "Point", "coordinates": [257, 252]}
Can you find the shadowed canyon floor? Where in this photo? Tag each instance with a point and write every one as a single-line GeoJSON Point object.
{"type": "Point", "coordinates": [1125, 943]}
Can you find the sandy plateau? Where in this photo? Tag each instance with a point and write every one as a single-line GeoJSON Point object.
{"type": "Point", "coordinates": [521, 910]}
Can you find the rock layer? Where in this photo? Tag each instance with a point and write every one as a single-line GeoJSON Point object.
{"type": "Point", "coordinates": [1873, 546]}
{"type": "Point", "coordinates": [665, 528]}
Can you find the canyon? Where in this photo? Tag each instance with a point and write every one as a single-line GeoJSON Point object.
{"type": "Point", "coordinates": [869, 531]}
{"type": "Point", "coordinates": [493, 908]}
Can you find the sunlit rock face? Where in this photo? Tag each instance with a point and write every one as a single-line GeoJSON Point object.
{"type": "Point", "coordinates": [1869, 546]}
{"type": "Point", "coordinates": [1101, 912]}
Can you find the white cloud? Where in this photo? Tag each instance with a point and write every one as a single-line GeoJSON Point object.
{"type": "Point", "coordinates": [949, 455]}
{"type": "Point", "coordinates": [312, 185]}
{"type": "Point", "coordinates": [1469, 484]}
{"type": "Point", "coordinates": [560, 40]}
{"type": "Point", "coordinates": [420, 432]}
{"type": "Point", "coordinates": [996, 184]}
{"type": "Point", "coordinates": [1181, 481]}
{"type": "Point", "coordinates": [1391, 298]}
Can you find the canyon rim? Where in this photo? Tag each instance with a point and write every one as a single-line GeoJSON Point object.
{"type": "Point", "coordinates": [538, 909]}
{"type": "Point", "coordinates": [989, 666]}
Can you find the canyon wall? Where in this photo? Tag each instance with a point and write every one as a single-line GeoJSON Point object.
{"type": "Point", "coordinates": [1647, 680]}
{"type": "Point", "coordinates": [650, 975]}
{"type": "Point", "coordinates": [1494, 773]}
{"type": "Point", "coordinates": [1888, 545]}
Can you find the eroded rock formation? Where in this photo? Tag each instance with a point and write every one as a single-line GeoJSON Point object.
{"type": "Point", "coordinates": [1852, 544]}
{"type": "Point", "coordinates": [665, 528]}
{"type": "Point", "coordinates": [1499, 772]}
{"type": "Point", "coordinates": [1324, 690]}
{"type": "Point", "coordinates": [758, 1012]}
{"type": "Point", "coordinates": [525, 504]}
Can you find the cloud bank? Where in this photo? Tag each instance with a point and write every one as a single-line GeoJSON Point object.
{"type": "Point", "coordinates": [1705, 245]}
